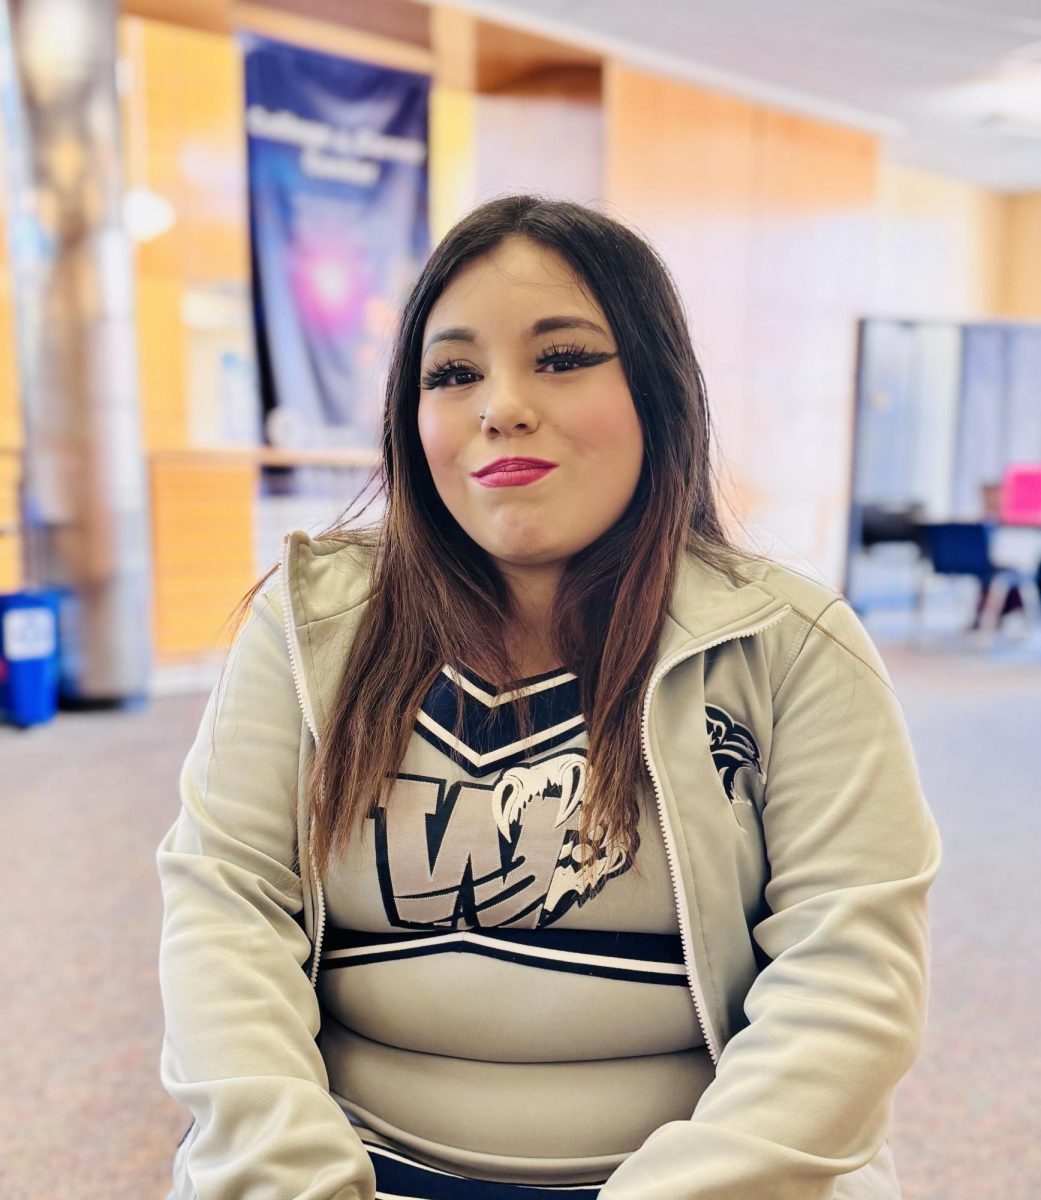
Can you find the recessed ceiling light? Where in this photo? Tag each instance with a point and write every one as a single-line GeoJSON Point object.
{"type": "Point", "coordinates": [1004, 101]}
{"type": "Point", "coordinates": [1009, 126]}
{"type": "Point", "coordinates": [1030, 53]}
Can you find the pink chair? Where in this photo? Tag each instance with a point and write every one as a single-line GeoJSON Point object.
{"type": "Point", "coordinates": [1021, 495]}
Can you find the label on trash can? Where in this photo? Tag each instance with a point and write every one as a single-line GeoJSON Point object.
{"type": "Point", "coordinates": [28, 633]}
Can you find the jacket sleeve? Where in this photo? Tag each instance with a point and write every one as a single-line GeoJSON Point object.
{"type": "Point", "coordinates": [239, 1048]}
{"type": "Point", "coordinates": [802, 1093]}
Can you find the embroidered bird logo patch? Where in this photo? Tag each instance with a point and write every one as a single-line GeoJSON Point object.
{"type": "Point", "coordinates": [733, 747]}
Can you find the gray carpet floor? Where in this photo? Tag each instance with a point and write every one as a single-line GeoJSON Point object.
{"type": "Point", "coordinates": [86, 799]}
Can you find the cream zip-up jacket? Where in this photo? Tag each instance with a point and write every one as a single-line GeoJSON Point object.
{"type": "Point", "coordinates": [802, 903]}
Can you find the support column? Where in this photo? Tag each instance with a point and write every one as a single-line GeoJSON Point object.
{"type": "Point", "coordinates": [85, 511]}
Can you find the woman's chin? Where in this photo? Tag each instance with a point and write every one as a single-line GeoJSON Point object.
{"type": "Point", "coordinates": [528, 553]}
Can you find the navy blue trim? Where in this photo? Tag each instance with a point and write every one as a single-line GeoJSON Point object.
{"type": "Point", "coordinates": [487, 729]}
{"type": "Point", "coordinates": [641, 947]}
{"type": "Point", "coordinates": [395, 1178]}
{"type": "Point", "coordinates": [499, 764]}
{"type": "Point", "coordinates": [483, 683]}
{"type": "Point", "coordinates": [638, 948]}
{"type": "Point", "coordinates": [561, 966]}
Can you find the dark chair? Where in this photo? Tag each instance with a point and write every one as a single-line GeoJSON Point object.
{"type": "Point", "coordinates": [963, 548]}
{"type": "Point", "coordinates": [879, 524]}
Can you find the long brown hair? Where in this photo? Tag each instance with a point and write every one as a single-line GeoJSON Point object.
{"type": "Point", "coordinates": [436, 597]}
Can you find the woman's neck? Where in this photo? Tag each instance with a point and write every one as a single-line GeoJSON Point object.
{"type": "Point", "coordinates": [529, 632]}
{"type": "Point", "coordinates": [533, 591]}
{"type": "Point", "coordinates": [532, 660]}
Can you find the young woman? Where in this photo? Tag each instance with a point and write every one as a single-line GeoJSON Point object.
{"type": "Point", "coordinates": [538, 841]}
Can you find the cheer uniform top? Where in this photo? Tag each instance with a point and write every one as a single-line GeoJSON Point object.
{"type": "Point", "coordinates": [489, 1012]}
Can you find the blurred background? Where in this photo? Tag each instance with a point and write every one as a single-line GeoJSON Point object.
{"type": "Point", "coordinates": [211, 213]}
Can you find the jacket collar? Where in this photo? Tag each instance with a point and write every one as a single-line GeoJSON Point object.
{"type": "Point", "coordinates": [707, 608]}
{"type": "Point", "coordinates": [326, 589]}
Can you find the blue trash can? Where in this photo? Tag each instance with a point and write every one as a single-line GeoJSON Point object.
{"type": "Point", "coordinates": [30, 663]}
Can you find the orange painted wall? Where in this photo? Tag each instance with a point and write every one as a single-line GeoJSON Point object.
{"type": "Point", "coordinates": [766, 222]}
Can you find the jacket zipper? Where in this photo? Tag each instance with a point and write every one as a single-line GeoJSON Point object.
{"type": "Point", "coordinates": [682, 910]}
{"type": "Point", "coordinates": [294, 663]}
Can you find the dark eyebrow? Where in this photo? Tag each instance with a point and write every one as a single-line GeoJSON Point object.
{"type": "Point", "coordinates": [548, 324]}
{"type": "Point", "coordinates": [460, 333]}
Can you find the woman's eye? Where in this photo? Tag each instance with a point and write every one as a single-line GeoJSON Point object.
{"type": "Point", "coordinates": [460, 378]}
{"type": "Point", "coordinates": [562, 363]}
{"type": "Point", "coordinates": [562, 359]}
{"type": "Point", "coordinates": [557, 360]}
{"type": "Point", "coordinates": [448, 375]}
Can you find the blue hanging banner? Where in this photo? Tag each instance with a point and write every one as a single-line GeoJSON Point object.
{"type": "Point", "coordinates": [338, 230]}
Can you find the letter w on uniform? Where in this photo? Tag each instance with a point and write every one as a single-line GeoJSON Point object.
{"type": "Point", "coordinates": [444, 860]}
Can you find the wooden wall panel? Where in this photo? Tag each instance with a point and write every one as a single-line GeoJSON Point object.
{"type": "Point", "coordinates": [510, 112]}
{"type": "Point", "coordinates": [199, 579]}
{"type": "Point", "coordinates": [302, 27]}
{"type": "Point", "coordinates": [453, 157]}
{"type": "Point", "coordinates": [11, 576]}
{"type": "Point", "coordinates": [939, 250]}
{"type": "Point", "coordinates": [509, 58]}
{"type": "Point", "coordinates": [766, 222]}
{"type": "Point", "coordinates": [184, 141]}
{"type": "Point", "coordinates": [680, 166]}
{"type": "Point", "coordinates": [541, 138]}
{"type": "Point", "coordinates": [1020, 294]}
{"type": "Point", "coordinates": [211, 15]}
{"type": "Point", "coordinates": [811, 278]}
{"type": "Point", "coordinates": [162, 350]}
{"type": "Point", "coordinates": [402, 21]}
{"type": "Point", "coordinates": [11, 435]}
{"type": "Point", "coordinates": [453, 118]}
{"type": "Point", "coordinates": [10, 400]}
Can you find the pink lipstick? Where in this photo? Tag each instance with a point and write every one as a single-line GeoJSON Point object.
{"type": "Point", "coordinates": [513, 472]}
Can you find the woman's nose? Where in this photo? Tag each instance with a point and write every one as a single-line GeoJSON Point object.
{"type": "Point", "coordinates": [493, 423]}
{"type": "Point", "coordinates": [507, 411]}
